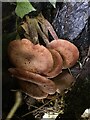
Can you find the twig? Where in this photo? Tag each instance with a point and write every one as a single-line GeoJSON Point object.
{"type": "Point", "coordinates": [42, 34]}
{"type": "Point", "coordinates": [51, 30]}
{"type": "Point", "coordinates": [69, 71]}
{"type": "Point", "coordinates": [34, 106]}
{"type": "Point", "coordinates": [87, 57]}
{"type": "Point", "coordinates": [37, 108]}
{"type": "Point", "coordinates": [15, 106]}
{"type": "Point", "coordinates": [7, 17]}
{"type": "Point", "coordinates": [48, 26]}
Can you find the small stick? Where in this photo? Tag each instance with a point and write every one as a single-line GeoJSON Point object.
{"type": "Point", "coordinates": [15, 106]}
{"type": "Point", "coordinates": [69, 71]}
{"type": "Point", "coordinates": [42, 34]}
{"type": "Point", "coordinates": [37, 108]}
{"type": "Point", "coordinates": [48, 26]}
{"type": "Point", "coordinates": [87, 57]}
{"type": "Point", "coordinates": [51, 29]}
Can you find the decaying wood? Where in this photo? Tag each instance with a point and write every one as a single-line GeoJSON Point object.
{"type": "Point", "coordinates": [78, 99]}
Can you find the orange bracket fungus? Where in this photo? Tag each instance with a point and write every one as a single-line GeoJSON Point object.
{"type": "Point", "coordinates": [67, 50]}
{"type": "Point", "coordinates": [45, 84]}
{"type": "Point", "coordinates": [32, 89]}
{"type": "Point", "coordinates": [26, 55]}
{"type": "Point", "coordinates": [57, 66]}
{"type": "Point", "coordinates": [36, 64]}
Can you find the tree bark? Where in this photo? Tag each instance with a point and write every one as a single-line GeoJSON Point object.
{"type": "Point", "coordinates": [78, 99]}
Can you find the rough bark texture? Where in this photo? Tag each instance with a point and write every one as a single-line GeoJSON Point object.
{"type": "Point", "coordinates": [78, 99]}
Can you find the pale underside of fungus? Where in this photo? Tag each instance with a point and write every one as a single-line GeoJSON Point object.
{"type": "Point", "coordinates": [33, 90]}
{"type": "Point", "coordinates": [36, 64]}
{"type": "Point", "coordinates": [45, 84]}
{"type": "Point", "coordinates": [63, 81]}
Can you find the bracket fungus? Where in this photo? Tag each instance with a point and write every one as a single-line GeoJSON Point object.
{"type": "Point", "coordinates": [67, 50]}
{"type": "Point", "coordinates": [57, 66]}
{"type": "Point", "coordinates": [63, 81]}
{"type": "Point", "coordinates": [36, 64]}
{"type": "Point", "coordinates": [24, 54]}
{"type": "Point", "coordinates": [32, 89]}
{"type": "Point", "coordinates": [45, 84]}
